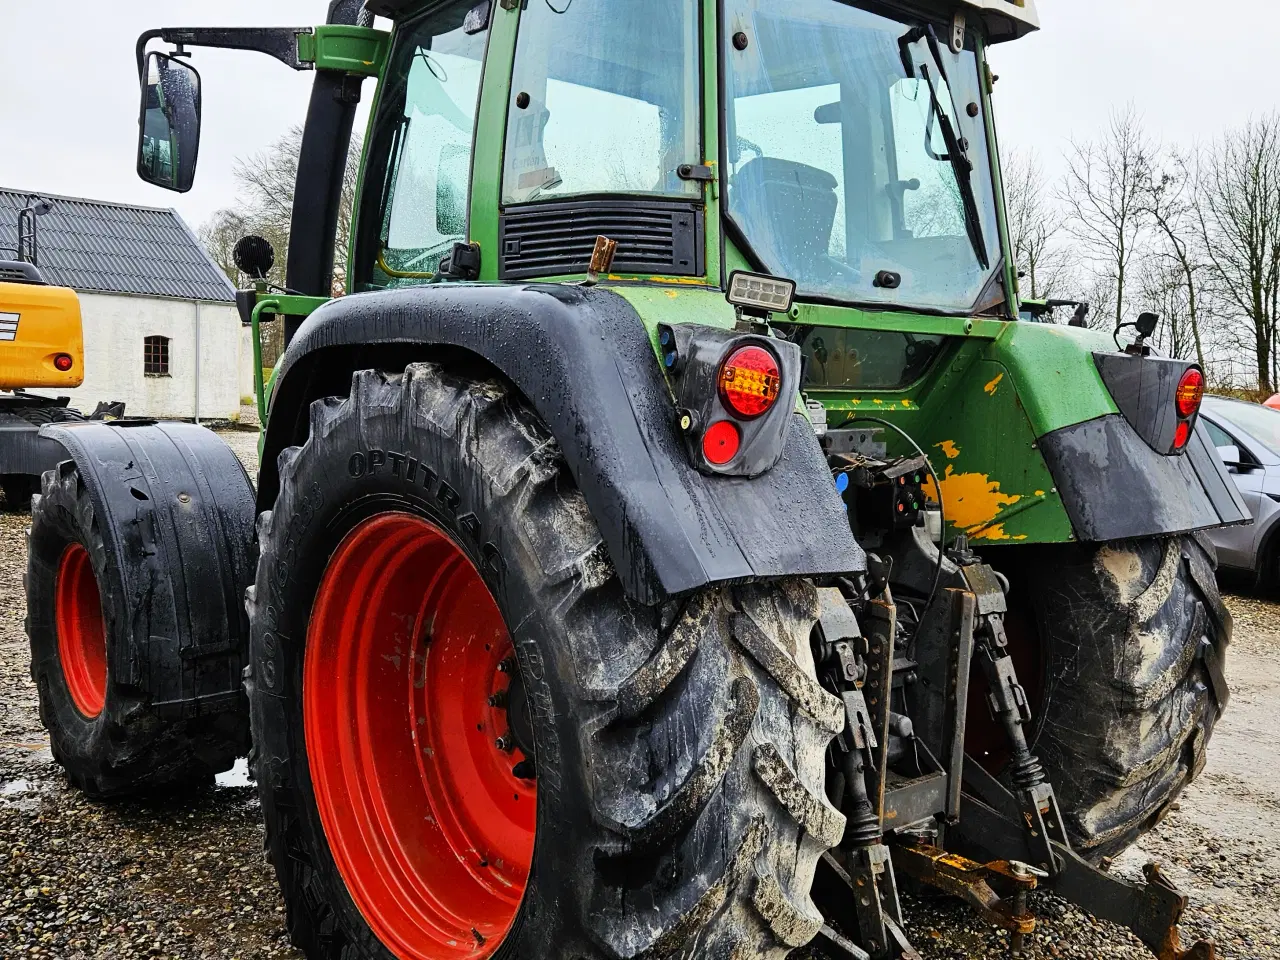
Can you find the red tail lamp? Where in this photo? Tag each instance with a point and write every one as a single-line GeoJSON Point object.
{"type": "Point", "coordinates": [721, 442]}
{"type": "Point", "coordinates": [750, 382]}
{"type": "Point", "coordinates": [63, 362]}
{"type": "Point", "coordinates": [1190, 393]}
{"type": "Point", "coordinates": [1182, 435]}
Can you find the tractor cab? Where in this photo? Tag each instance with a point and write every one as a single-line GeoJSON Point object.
{"type": "Point", "coordinates": [844, 149]}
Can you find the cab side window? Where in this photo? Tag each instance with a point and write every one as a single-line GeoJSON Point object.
{"type": "Point", "coordinates": [425, 133]}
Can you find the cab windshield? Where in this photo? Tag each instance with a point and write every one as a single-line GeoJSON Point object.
{"type": "Point", "coordinates": [857, 152]}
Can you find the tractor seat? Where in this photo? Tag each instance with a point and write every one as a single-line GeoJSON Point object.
{"type": "Point", "coordinates": [788, 210]}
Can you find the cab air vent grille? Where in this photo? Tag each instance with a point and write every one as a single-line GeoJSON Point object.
{"type": "Point", "coordinates": [660, 237]}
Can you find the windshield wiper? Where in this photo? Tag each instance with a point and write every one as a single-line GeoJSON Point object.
{"type": "Point", "coordinates": [957, 146]}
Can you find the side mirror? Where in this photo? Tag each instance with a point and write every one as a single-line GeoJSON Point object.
{"type": "Point", "coordinates": [169, 123]}
{"type": "Point", "coordinates": [1229, 455]}
{"type": "Point", "coordinates": [1147, 324]}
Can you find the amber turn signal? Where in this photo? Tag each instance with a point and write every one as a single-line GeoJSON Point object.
{"type": "Point", "coordinates": [750, 382]}
{"type": "Point", "coordinates": [1190, 393]}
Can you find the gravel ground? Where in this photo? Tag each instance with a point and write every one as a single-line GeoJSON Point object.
{"type": "Point", "coordinates": [185, 878]}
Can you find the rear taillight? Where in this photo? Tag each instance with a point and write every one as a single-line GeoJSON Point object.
{"type": "Point", "coordinates": [1187, 399]}
{"type": "Point", "coordinates": [1190, 393]}
{"type": "Point", "coordinates": [721, 443]}
{"type": "Point", "coordinates": [64, 362]}
{"type": "Point", "coordinates": [1182, 435]}
{"type": "Point", "coordinates": [750, 382]}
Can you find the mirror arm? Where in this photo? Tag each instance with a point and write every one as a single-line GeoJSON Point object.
{"type": "Point", "coordinates": [278, 42]}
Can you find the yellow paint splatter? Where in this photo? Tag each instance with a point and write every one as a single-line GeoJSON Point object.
{"type": "Point", "coordinates": [906, 404]}
{"type": "Point", "coordinates": [990, 388]}
{"type": "Point", "coordinates": [949, 448]}
{"type": "Point", "coordinates": [993, 532]}
{"type": "Point", "coordinates": [1039, 493]}
{"type": "Point", "coordinates": [878, 403]}
{"type": "Point", "coordinates": [972, 501]}
{"type": "Point", "coordinates": [673, 294]}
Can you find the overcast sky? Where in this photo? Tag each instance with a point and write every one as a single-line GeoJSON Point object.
{"type": "Point", "coordinates": [68, 113]}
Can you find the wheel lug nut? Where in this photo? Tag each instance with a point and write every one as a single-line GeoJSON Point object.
{"type": "Point", "coordinates": [505, 743]}
{"type": "Point", "coordinates": [499, 699]}
{"type": "Point", "coordinates": [508, 665]}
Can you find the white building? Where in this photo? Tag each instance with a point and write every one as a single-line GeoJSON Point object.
{"type": "Point", "coordinates": [161, 329]}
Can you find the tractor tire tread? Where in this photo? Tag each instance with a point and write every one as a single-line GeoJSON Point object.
{"type": "Point", "coordinates": [129, 749]}
{"type": "Point", "coordinates": [1129, 706]}
{"type": "Point", "coordinates": [704, 768]}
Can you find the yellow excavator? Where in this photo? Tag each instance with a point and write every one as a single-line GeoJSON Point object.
{"type": "Point", "coordinates": [41, 346]}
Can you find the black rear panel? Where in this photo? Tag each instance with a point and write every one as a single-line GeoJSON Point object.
{"type": "Point", "coordinates": [13, 271]}
{"type": "Point", "coordinates": [1145, 389]}
{"type": "Point", "coordinates": [1115, 487]}
{"type": "Point", "coordinates": [661, 237]}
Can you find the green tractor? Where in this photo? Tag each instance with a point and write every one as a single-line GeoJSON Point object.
{"type": "Point", "coordinates": [672, 544]}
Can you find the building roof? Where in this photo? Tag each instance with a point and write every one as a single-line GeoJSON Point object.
{"type": "Point", "coordinates": [98, 247]}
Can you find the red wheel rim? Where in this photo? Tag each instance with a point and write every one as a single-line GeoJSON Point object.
{"type": "Point", "coordinates": [431, 830]}
{"type": "Point", "coordinates": [82, 635]}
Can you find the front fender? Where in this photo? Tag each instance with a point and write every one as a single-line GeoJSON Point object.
{"type": "Point", "coordinates": [583, 359]}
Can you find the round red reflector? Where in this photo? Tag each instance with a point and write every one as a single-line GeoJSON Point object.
{"type": "Point", "coordinates": [721, 443]}
{"type": "Point", "coordinates": [1190, 392]}
{"type": "Point", "coordinates": [1181, 435]}
{"type": "Point", "coordinates": [750, 382]}
{"type": "Point", "coordinates": [63, 362]}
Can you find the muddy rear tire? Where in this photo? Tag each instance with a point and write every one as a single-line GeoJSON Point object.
{"type": "Point", "coordinates": [1128, 705]}
{"type": "Point", "coordinates": [678, 752]}
{"type": "Point", "coordinates": [107, 733]}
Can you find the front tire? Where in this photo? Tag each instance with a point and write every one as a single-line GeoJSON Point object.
{"type": "Point", "coordinates": [676, 754]}
{"type": "Point", "coordinates": [107, 733]}
{"type": "Point", "coordinates": [1128, 705]}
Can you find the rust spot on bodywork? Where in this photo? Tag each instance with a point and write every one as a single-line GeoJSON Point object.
{"type": "Point", "coordinates": [972, 501]}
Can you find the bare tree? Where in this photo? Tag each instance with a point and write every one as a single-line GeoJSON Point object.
{"type": "Point", "coordinates": [1100, 294]}
{"type": "Point", "coordinates": [265, 185]}
{"type": "Point", "coordinates": [1171, 199]}
{"type": "Point", "coordinates": [219, 234]}
{"type": "Point", "coordinates": [1035, 225]}
{"type": "Point", "coordinates": [1240, 226]}
{"type": "Point", "coordinates": [1103, 194]}
{"type": "Point", "coordinates": [1165, 290]}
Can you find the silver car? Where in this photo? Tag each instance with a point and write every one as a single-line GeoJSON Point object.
{"type": "Point", "coordinates": [1248, 440]}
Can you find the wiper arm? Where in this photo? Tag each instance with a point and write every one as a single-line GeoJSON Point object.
{"type": "Point", "coordinates": [957, 146]}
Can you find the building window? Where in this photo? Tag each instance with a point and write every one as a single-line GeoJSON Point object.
{"type": "Point", "coordinates": [155, 357]}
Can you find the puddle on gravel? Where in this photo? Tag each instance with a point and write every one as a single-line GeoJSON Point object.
{"type": "Point", "coordinates": [21, 795]}
{"type": "Point", "coordinates": [237, 776]}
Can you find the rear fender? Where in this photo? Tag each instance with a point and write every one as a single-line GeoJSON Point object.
{"type": "Point", "coordinates": [175, 511]}
{"type": "Point", "coordinates": [583, 359]}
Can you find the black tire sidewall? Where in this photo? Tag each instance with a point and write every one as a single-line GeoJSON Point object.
{"type": "Point", "coordinates": [320, 503]}
{"type": "Point", "coordinates": [59, 522]}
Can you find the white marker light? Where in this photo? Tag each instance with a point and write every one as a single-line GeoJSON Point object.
{"type": "Point", "coordinates": [755, 292]}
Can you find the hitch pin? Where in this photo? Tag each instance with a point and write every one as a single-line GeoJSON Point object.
{"type": "Point", "coordinates": [1022, 871]}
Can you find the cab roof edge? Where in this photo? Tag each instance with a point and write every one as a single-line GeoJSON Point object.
{"type": "Point", "coordinates": [1005, 19]}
